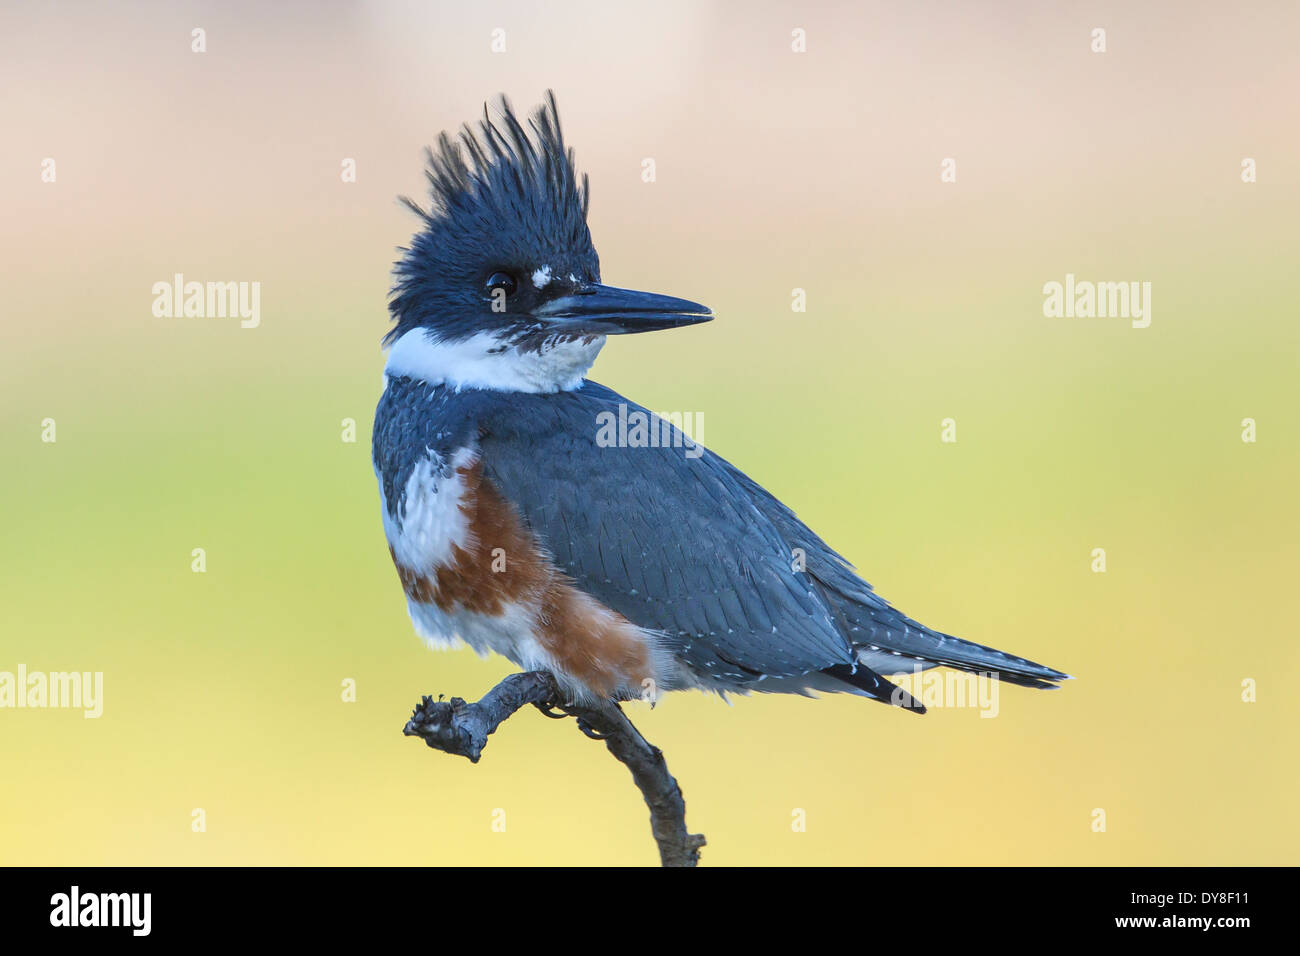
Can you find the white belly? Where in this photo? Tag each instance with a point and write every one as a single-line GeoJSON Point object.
{"type": "Point", "coordinates": [509, 634]}
{"type": "Point", "coordinates": [430, 524]}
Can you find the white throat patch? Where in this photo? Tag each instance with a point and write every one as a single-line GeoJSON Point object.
{"type": "Point", "coordinates": [485, 361]}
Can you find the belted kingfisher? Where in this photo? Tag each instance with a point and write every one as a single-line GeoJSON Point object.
{"type": "Point", "coordinates": [625, 572]}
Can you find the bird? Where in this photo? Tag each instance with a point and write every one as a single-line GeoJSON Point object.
{"type": "Point", "coordinates": [624, 572]}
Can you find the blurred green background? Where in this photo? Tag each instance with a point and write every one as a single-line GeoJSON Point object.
{"type": "Point", "coordinates": [775, 171]}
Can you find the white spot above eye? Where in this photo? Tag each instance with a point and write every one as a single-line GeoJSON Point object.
{"type": "Point", "coordinates": [541, 277]}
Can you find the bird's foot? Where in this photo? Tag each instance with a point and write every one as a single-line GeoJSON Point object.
{"type": "Point", "coordinates": [553, 711]}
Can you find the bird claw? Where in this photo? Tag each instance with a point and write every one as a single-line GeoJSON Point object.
{"type": "Point", "coordinates": [553, 711]}
{"type": "Point", "coordinates": [559, 712]}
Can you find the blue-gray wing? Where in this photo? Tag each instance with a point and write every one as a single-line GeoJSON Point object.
{"type": "Point", "coordinates": [673, 541]}
{"type": "Point", "coordinates": [892, 642]}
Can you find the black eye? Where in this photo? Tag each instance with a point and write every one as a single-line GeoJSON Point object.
{"type": "Point", "coordinates": [503, 281]}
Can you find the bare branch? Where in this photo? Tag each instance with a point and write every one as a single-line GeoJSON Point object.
{"type": "Point", "coordinates": [461, 728]}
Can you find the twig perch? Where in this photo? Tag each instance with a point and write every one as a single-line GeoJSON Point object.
{"type": "Point", "coordinates": [461, 728]}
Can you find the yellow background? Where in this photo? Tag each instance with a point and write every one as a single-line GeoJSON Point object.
{"type": "Point", "coordinates": [774, 171]}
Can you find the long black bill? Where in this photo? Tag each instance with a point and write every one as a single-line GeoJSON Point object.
{"type": "Point", "coordinates": [605, 310]}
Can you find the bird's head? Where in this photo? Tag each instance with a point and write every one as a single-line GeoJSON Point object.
{"type": "Point", "coordinates": [501, 288]}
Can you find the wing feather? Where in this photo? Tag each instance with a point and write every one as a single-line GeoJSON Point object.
{"type": "Point", "coordinates": [674, 543]}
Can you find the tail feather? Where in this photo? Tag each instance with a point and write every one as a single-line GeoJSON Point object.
{"type": "Point", "coordinates": [871, 684]}
{"type": "Point", "coordinates": [886, 641]}
{"type": "Point", "coordinates": [913, 644]}
{"type": "Point", "coordinates": [890, 642]}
